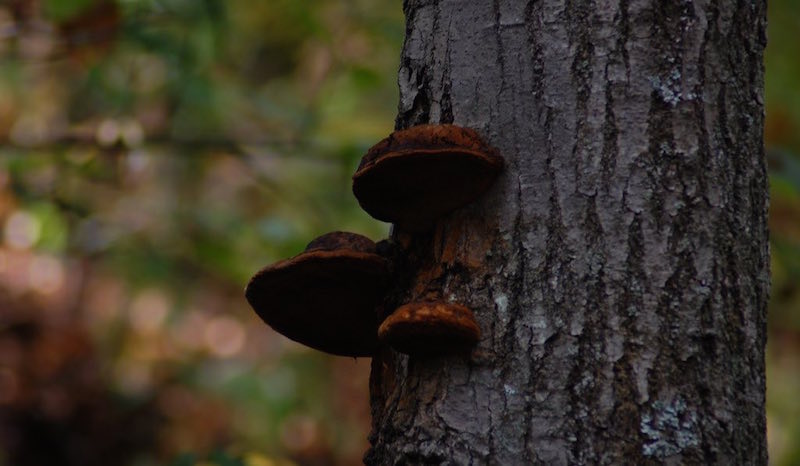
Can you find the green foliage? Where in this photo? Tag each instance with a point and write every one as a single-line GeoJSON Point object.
{"type": "Point", "coordinates": [60, 10]}
{"type": "Point", "coordinates": [164, 157]}
{"type": "Point", "coordinates": [782, 137]}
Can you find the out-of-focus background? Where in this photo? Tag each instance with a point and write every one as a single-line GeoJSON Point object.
{"type": "Point", "coordinates": [155, 153]}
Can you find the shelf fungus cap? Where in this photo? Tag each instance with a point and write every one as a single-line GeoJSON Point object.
{"type": "Point", "coordinates": [325, 297]}
{"type": "Point", "coordinates": [430, 328]}
{"type": "Point", "coordinates": [417, 175]}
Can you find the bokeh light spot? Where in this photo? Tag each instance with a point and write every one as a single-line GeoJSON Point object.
{"type": "Point", "coordinates": [46, 274]}
{"type": "Point", "coordinates": [257, 459]}
{"type": "Point", "coordinates": [149, 310]}
{"type": "Point", "coordinates": [22, 230]}
{"type": "Point", "coordinates": [224, 336]}
{"type": "Point", "coordinates": [136, 164]}
{"type": "Point", "coordinates": [108, 132]}
{"type": "Point", "coordinates": [132, 133]}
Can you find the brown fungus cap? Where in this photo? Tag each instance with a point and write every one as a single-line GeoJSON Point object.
{"type": "Point", "coordinates": [325, 297]}
{"type": "Point", "coordinates": [430, 328]}
{"type": "Point", "coordinates": [417, 175]}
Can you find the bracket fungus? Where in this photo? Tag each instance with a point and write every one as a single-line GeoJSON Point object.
{"type": "Point", "coordinates": [325, 297]}
{"type": "Point", "coordinates": [430, 327]}
{"type": "Point", "coordinates": [417, 175]}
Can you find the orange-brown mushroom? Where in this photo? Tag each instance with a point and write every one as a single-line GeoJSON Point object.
{"type": "Point", "coordinates": [325, 297]}
{"type": "Point", "coordinates": [417, 175]}
{"type": "Point", "coordinates": [430, 327]}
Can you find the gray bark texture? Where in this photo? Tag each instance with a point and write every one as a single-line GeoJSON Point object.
{"type": "Point", "coordinates": [619, 267]}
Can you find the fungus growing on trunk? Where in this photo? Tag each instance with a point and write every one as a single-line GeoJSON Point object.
{"type": "Point", "coordinates": [325, 297]}
{"type": "Point", "coordinates": [430, 327]}
{"type": "Point", "coordinates": [417, 175]}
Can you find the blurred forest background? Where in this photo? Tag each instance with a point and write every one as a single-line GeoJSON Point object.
{"type": "Point", "coordinates": [155, 153]}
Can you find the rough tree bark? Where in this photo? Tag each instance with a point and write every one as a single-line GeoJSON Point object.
{"type": "Point", "coordinates": [619, 267]}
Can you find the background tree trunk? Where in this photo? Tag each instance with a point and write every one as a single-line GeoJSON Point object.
{"type": "Point", "coordinates": [619, 267]}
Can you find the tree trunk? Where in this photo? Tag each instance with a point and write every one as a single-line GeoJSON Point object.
{"type": "Point", "coordinates": [619, 267]}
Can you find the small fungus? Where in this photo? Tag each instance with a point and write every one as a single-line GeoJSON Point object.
{"type": "Point", "coordinates": [325, 297]}
{"type": "Point", "coordinates": [417, 175]}
{"type": "Point", "coordinates": [430, 327]}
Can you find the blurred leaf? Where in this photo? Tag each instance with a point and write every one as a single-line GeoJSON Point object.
{"type": "Point", "coordinates": [60, 10]}
{"type": "Point", "coordinates": [784, 171]}
{"type": "Point", "coordinates": [54, 229]}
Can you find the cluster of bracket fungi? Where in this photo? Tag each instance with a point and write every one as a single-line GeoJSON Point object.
{"type": "Point", "coordinates": [330, 297]}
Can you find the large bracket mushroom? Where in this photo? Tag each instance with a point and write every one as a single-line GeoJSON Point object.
{"type": "Point", "coordinates": [417, 175]}
{"type": "Point", "coordinates": [325, 297]}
